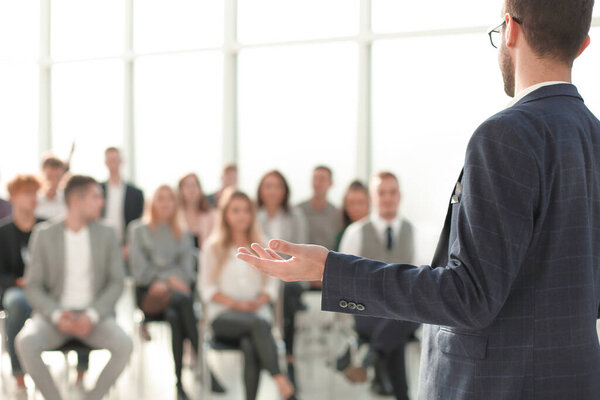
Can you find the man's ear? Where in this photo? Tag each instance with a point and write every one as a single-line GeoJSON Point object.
{"type": "Point", "coordinates": [584, 46]}
{"type": "Point", "coordinates": [511, 31]}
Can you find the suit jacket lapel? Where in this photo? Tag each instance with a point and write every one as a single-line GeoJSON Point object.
{"type": "Point", "coordinates": [61, 260]}
{"type": "Point", "coordinates": [95, 249]}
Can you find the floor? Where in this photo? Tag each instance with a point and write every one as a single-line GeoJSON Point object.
{"type": "Point", "coordinates": [321, 337]}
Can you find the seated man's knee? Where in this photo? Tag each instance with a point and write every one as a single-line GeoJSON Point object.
{"type": "Point", "coordinates": [27, 343]}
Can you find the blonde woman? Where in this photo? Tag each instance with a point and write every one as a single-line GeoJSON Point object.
{"type": "Point", "coordinates": [196, 215]}
{"type": "Point", "coordinates": [237, 296]}
{"type": "Point", "coordinates": [162, 265]}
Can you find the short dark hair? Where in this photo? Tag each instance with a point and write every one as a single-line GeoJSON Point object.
{"type": "Point", "coordinates": [386, 175]}
{"type": "Point", "coordinates": [553, 28]}
{"type": "Point", "coordinates": [111, 149]}
{"type": "Point", "coordinates": [51, 161]}
{"type": "Point", "coordinates": [230, 167]}
{"type": "Point", "coordinates": [285, 202]}
{"type": "Point", "coordinates": [324, 168]}
{"type": "Point", "coordinates": [78, 184]}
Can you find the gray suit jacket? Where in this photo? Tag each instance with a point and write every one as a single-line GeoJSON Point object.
{"type": "Point", "coordinates": [513, 294]}
{"type": "Point", "coordinates": [45, 273]}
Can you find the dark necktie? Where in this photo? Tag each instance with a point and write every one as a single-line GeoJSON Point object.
{"type": "Point", "coordinates": [390, 238]}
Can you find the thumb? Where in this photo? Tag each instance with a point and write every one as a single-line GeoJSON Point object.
{"type": "Point", "coordinates": [282, 246]}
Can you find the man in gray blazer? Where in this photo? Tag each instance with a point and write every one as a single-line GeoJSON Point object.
{"type": "Point", "coordinates": [74, 278]}
{"type": "Point", "coordinates": [512, 297]}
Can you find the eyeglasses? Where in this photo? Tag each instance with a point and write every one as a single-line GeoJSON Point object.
{"type": "Point", "coordinates": [495, 33]}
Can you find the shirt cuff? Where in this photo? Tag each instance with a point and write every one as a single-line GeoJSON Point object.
{"type": "Point", "coordinates": [55, 316]}
{"type": "Point", "coordinates": [92, 315]}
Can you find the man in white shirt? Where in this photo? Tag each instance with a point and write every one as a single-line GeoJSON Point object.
{"type": "Point", "coordinates": [74, 279]}
{"type": "Point", "coordinates": [51, 201]}
{"type": "Point", "coordinates": [384, 235]}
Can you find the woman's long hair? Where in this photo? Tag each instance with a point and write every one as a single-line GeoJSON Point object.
{"type": "Point", "coordinates": [203, 204]}
{"type": "Point", "coordinates": [285, 202]}
{"type": "Point", "coordinates": [221, 239]}
{"type": "Point", "coordinates": [151, 217]}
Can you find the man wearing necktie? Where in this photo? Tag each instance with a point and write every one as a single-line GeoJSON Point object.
{"type": "Point", "coordinates": [383, 235]}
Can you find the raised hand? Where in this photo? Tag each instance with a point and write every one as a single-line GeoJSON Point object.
{"type": "Point", "coordinates": [307, 261]}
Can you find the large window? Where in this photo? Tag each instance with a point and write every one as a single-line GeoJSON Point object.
{"type": "Point", "coordinates": [187, 85]}
{"type": "Point", "coordinates": [281, 20]}
{"type": "Point", "coordinates": [19, 74]}
{"type": "Point", "coordinates": [178, 118]}
{"type": "Point", "coordinates": [87, 110]}
{"type": "Point", "coordinates": [303, 117]}
{"type": "Point", "coordinates": [429, 95]}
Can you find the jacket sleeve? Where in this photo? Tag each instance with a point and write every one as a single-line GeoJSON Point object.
{"type": "Point", "coordinates": [36, 273]}
{"type": "Point", "coordinates": [106, 300]}
{"type": "Point", "coordinates": [492, 226]}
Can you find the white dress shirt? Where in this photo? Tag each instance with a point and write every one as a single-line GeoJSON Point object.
{"type": "Point", "coordinates": [531, 89]}
{"type": "Point", "coordinates": [115, 202]}
{"type": "Point", "coordinates": [237, 280]}
{"type": "Point", "coordinates": [50, 208]}
{"type": "Point", "coordinates": [352, 240]}
{"type": "Point", "coordinates": [78, 286]}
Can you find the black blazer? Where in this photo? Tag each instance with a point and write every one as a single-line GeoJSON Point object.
{"type": "Point", "coordinates": [513, 294]}
{"type": "Point", "coordinates": [133, 207]}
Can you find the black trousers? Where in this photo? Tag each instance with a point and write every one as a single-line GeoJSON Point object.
{"type": "Point", "coordinates": [292, 293]}
{"type": "Point", "coordinates": [256, 342]}
{"type": "Point", "coordinates": [180, 315]}
{"type": "Point", "coordinates": [388, 338]}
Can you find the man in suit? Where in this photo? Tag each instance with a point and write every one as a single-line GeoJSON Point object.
{"type": "Point", "coordinates": [388, 237]}
{"type": "Point", "coordinates": [513, 293]}
{"type": "Point", "coordinates": [74, 279]}
{"type": "Point", "coordinates": [123, 201]}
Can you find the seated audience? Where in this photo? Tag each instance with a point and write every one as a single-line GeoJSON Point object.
{"type": "Point", "coordinates": [162, 265]}
{"type": "Point", "coordinates": [386, 236]}
{"type": "Point", "coordinates": [196, 215]}
{"type": "Point", "coordinates": [277, 219]}
{"type": "Point", "coordinates": [237, 296]}
{"type": "Point", "coordinates": [229, 179]}
{"type": "Point", "coordinates": [51, 200]}
{"type": "Point", "coordinates": [73, 280]}
{"type": "Point", "coordinates": [124, 202]}
{"type": "Point", "coordinates": [356, 207]}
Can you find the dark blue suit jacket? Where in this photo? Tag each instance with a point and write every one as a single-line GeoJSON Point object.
{"type": "Point", "coordinates": [513, 297]}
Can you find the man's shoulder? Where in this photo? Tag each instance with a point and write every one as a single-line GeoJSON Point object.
{"type": "Point", "coordinates": [50, 227]}
{"type": "Point", "coordinates": [132, 188]}
{"type": "Point", "coordinates": [358, 227]}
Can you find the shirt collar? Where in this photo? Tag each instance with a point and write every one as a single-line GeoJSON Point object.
{"type": "Point", "coordinates": [381, 224]}
{"type": "Point", "coordinates": [531, 89]}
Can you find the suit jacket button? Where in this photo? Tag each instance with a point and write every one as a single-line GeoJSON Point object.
{"type": "Point", "coordinates": [360, 307]}
{"type": "Point", "coordinates": [343, 303]}
{"type": "Point", "coordinates": [351, 306]}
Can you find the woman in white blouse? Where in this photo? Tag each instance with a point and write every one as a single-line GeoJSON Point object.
{"type": "Point", "coordinates": [238, 297]}
{"type": "Point", "coordinates": [278, 220]}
